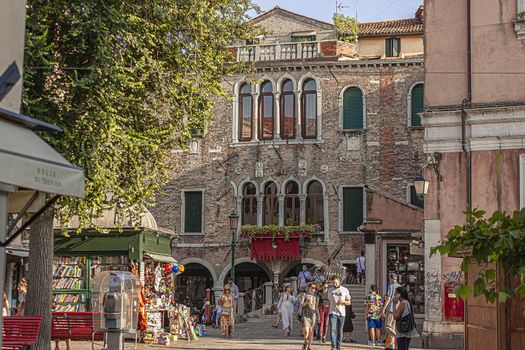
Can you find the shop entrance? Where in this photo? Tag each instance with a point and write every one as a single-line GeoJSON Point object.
{"type": "Point", "coordinates": [191, 285]}
{"type": "Point", "coordinates": [249, 276]}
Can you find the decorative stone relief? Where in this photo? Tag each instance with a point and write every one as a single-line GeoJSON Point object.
{"type": "Point", "coordinates": [302, 168]}
{"type": "Point", "coordinates": [238, 170]}
{"type": "Point", "coordinates": [519, 27]}
{"type": "Point", "coordinates": [259, 169]}
{"type": "Point", "coordinates": [353, 143]}
{"type": "Point", "coordinates": [324, 168]}
{"type": "Point", "coordinates": [194, 147]}
{"type": "Point", "coordinates": [217, 149]}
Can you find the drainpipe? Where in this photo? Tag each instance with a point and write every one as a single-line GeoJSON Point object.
{"type": "Point", "coordinates": [466, 101]}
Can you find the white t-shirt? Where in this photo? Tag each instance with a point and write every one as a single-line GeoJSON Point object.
{"type": "Point", "coordinates": [336, 294]}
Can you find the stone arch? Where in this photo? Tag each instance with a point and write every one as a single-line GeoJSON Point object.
{"type": "Point", "coordinates": [203, 263]}
{"type": "Point", "coordinates": [244, 182]}
{"type": "Point", "coordinates": [341, 104]}
{"type": "Point", "coordinates": [310, 180]}
{"type": "Point", "coordinates": [294, 264]}
{"type": "Point", "coordinates": [284, 77]}
{"type": "Point", "coordinates": [235, 89]}
{"type": "Point", "coordinates": [235, 192]}
{"type": "Point", "coordinates": [266, 181]}
{"type": "Point", "coordinates": [306, 76]}
{"type": "Point", "coordinates": [262, 80]}
{"type": "Point", "coordinates": [220, 282]}
{"type": "Point", "coordinates": [288, 179]}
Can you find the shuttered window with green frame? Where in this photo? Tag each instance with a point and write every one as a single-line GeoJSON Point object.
{"type": "Point", "coordinates": [416, 200]}
{"type": "Point", "coordinates": [352, 208]}
{"type": "Point", "coordinates": [353, 108]}
{"type": "Point", "coordinates": [193, 212]}
{"type": "Point", "coordinates": [417, 96]}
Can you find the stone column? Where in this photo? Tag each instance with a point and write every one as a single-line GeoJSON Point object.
{"type": "Point", "coordinates": [280, 199]}
{"type": "Point", "coordinates": [255, 115]}
{"type": "Point", "coordinates": [326, 217]}
{"type": "Point", "coordinates": [277, 116]}
{"type": "Point", "coordinates": [298, 109]}
{"type": "Point", "coordinates": [238, 204]}
{"type": "Point", "coordinates": [240, 307]}
{"type": "Point", "coordinates": [370, 266]}
{"type": "Point", "coordinates": [302, 208]}
{"type": "Point", "coordinates": [268, 298]}
{"type": "Point", "coordinates": [260, 199]}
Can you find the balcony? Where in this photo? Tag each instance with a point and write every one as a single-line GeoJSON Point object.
{"type": "Point", "coordinates": [294, 51]}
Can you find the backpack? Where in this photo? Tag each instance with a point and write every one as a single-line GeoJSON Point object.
{"type": "Point", "coordinates": [406, 323]}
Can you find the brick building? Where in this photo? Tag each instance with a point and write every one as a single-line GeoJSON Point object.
{"type": "Point", "coordinates": [322, 132]}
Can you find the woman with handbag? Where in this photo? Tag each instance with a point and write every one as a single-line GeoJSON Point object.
{"type": "Point", "coordinates": [348, 325]}
{"type": "Point", "coordinates": [404, 316]}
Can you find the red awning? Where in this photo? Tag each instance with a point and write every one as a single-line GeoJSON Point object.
{"type": "Point", "coordinates": [263, 249]}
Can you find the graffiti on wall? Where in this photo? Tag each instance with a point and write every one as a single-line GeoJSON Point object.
{"type": "Point", "coordinates": [433, 293]}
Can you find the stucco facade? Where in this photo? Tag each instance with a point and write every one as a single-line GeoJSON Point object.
{"type": "Point", "coordinates": [476, 122]}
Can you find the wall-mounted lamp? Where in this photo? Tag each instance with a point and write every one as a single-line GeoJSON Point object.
{"type": "Point", "coordinates": [421, 186]}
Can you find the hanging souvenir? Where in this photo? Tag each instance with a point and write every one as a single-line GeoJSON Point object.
{"type": "Point", "coordinates": [158, 276]}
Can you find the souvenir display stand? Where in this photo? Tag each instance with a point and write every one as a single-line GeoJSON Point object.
{"type": "Point", "coordinates": [79, 257]}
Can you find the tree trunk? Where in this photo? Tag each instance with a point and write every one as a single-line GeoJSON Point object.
{"type": "Point", "coordinates": [40, 277]}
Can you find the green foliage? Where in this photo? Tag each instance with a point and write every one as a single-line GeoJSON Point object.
{"type": "Point", "coordinates": [346, 27]}
{"type": "Point", "coordinates": [128, 82]}
{"type": "Point", "coordinates": [499, 239]}
{"type": "Point", "coordinates": [275, 230]}
{"type": "Point", "coordinates": [521, 15]}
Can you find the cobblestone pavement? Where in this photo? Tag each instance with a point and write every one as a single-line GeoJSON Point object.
{"type": "Point", "coordinates": [255, 334]}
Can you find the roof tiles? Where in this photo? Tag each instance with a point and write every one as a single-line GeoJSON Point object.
{"type": "Point", "coordinates": [395, 27]}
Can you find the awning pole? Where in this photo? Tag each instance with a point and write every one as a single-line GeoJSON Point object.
{"type": "Point", "coordinates": [3, 233]}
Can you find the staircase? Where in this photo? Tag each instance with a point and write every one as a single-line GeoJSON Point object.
{"type": "Point", "coordinates": [358, 294]}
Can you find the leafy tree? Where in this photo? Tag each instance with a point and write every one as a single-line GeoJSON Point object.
{"type": "Point", "coordinates": [499, 239]}
{"type": "Point", "coordinates": [128, 81]}
{"type": "Point", "coordinates": [346, 27]}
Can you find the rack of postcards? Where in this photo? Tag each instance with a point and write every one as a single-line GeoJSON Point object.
{"type": "Point", "coordinates": [71, 280]}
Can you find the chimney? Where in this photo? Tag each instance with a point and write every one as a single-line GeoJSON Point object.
{"type": "Point", "coordinates": [420, 13]}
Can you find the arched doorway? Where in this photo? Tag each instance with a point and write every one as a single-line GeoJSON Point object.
{"type": "Point", "coordinates": [295, 269]}
{"type": "Point", "coordinates": [190, 286]}
{"type": "Point", "coordinates": [249, 275]}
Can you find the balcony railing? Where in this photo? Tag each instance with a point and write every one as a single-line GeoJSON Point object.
{"type": "Point", "coordinates": [282, 51]}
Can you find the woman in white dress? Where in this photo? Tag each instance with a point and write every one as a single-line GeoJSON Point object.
{"type": "Point", "coordinates": [286, 307]}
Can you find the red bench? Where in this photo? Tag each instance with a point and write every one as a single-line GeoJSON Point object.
{"type": "Point", "coordinates": [74, 326]}
{"type": "Point", "coordinates": [20, 331]}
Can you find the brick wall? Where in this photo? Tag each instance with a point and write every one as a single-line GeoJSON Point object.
{"type": "Point", "coordinates": [385, 157]}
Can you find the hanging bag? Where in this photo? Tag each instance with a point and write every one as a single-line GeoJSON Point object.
{"type": "Point", "coordinates": [406, 323]}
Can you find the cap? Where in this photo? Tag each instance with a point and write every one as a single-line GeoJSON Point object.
{"type": "Point", "coordinates": [392, 275]}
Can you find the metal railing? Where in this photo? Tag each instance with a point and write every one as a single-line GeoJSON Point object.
{"type": "Point", "coordinates": [253, 299]}
{"type": "Point", "coordinates": [281, 51]}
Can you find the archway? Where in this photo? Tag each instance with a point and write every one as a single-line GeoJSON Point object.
{"type": "Point", "coordinates": [249, 275]}
{"type": "Point", "coordinates": [294, 268]}
{"type": "Point", "coordinates": [190, 286]}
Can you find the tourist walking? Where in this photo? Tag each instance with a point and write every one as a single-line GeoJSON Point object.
{"type": "Point", "coordinates": [227, 312]}
{"type": "Point", "coordinates": [404, 316]}
{"type": "Point", "coordinates": [22, 292]}
{"type": "Point", "coordinates": [286, 307]}
{"type": "Point", "coordinates": [388, 312]}
{"type": "Point", "coordinates": [324, 311]}
{"type": "Point", "coordinates": [304, 278]}
{"type": "Point", "coordinates": [339, 297]}
{"type": "Point", "coordinates": [373, 311]}
{"type": "Point", "coordinates": [361, 264]}
{"type": "Point", "coordinates": [309, 304]}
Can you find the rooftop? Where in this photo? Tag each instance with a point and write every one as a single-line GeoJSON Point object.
{"type": "Point", "coordinates": [395, 27]}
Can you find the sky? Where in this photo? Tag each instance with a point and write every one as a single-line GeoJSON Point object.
{"type": "Point", "coordinates": [367, 10]}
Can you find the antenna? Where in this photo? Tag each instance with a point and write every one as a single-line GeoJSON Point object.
{"type": "Point", "coordinates": [339, 6]}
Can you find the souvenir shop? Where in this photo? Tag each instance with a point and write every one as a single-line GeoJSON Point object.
{"type": "Point", "coordinates": [403, 255]}
{"type": "Point", "coordinates": [146, 252]}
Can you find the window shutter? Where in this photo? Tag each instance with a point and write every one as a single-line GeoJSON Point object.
{"type": "Point", "coordinates": [415, 200]}
{"type": "Point", "coordinates": [193, 212]}
{"type": "Point", "coordinates": [396, 47]}
{"type": "Point", "coordinates": [353, 108]}
{"type": "Point", "coordinates": [417, 104]}
{"type": "Point", "coordinates": [352, 208]}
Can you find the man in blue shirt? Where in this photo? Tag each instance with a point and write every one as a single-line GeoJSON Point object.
{"type": "Point", "coordinates": [388, 311]}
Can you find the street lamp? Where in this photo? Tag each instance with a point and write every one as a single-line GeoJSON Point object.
{"type": "Point", "coordinates": [234, 219]}
{"type": "Point", "coordinates": [421, 186]}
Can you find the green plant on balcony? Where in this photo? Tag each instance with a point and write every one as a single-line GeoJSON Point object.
{"type": "Point", "coordinates": [346, 28]}
{"type": "Point", "coordinates": [521, 15]}
{"type": "Point", "coordinates": [300, 231]}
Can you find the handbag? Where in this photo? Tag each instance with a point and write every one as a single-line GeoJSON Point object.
{"type": "Point", "coordinates": [406, 323]}
{"type": "Point", "coordinates": [352, 313]}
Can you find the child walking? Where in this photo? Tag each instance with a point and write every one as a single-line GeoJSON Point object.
{"type": "Point", "coordinates": [374, 306]}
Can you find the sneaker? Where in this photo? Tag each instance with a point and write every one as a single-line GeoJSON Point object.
{"type": "Point", "coordinates": [370, 343]}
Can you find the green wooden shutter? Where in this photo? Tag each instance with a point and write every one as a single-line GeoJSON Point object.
{"type": "Point", "coordinates": [193, 212]}
{"type": "Point", "coordinates": [414, 199]}
{"type": "Point", "coordinates": [352, 208]}
{"type": "Point", "coordinates": [417, 104]}
{"type": "Point", "coordinates": [353, 108]}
